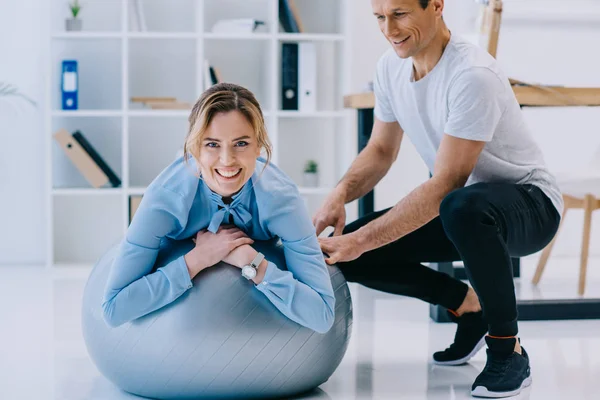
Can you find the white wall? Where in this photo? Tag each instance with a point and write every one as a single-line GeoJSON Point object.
{"type": "Point", "coordinates": [22, 221]}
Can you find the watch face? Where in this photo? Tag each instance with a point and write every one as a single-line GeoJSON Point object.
{"type": "Point", "coordinates": [248, 272]}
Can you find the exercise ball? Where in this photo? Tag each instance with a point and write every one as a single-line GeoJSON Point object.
{"type": "Point", "coordinates": [220, 339]}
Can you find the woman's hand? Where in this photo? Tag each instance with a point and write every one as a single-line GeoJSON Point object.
{"type": "Point", "coordinates": [244, 255]}
{"type": "Point", "coordinates": [213, 247]}
{"type": "Point", "coordinates": [240, 256]}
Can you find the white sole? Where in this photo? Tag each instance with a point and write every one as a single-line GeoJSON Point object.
{"type": "Point", "coordinates": [481, 391]}
{"type": "Point", "coordinates": [466, 358]}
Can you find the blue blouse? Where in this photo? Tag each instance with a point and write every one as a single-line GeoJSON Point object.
{"type": "Point", "coordinates": [176, 205]}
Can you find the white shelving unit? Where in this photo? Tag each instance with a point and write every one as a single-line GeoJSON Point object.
{"type": "Point", "coordinates": [167, 59]}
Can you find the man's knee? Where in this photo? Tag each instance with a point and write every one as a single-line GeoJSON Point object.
{"type": "Point", "coordinates": [463, 208]}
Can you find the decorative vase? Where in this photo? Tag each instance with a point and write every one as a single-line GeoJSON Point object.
{"type": "Point", "coordinates": [73, 24]}
{"type": "Point", "coordinates": [311, 179]}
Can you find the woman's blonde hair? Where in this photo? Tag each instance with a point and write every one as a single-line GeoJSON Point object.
{"type": "Point", "coordinates": [224, 97]}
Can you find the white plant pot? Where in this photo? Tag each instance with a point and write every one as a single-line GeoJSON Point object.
{"type": "Point", "coordinates": [73, 24]}
{"type": "Point", "coordinates": [310, 179]}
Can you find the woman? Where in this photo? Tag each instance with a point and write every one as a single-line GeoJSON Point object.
{"type": "Point", "coordinates": [222, 194]}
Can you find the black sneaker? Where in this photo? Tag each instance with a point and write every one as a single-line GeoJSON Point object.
{"type": "Point", "coordinates": [468, 340]}
{"type": "Point", "coordinates": [506, 372]}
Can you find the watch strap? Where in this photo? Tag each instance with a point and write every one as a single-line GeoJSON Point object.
{"type": "Point", "coordinates": [257, 260]}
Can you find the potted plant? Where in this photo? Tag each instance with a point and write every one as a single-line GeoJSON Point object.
{"type": "Point", "coordinates": [311, 174]}
{"type": "Point", "coordinates": [74, 24]}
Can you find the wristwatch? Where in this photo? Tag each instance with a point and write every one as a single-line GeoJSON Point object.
{"type": "Point", "coordinates": [249, 271]}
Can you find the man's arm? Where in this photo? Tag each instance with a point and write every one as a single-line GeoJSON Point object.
{"type": "Point", "coordinates": [455, 161]}
{"type": "Point", "coordinates": [373, 162]}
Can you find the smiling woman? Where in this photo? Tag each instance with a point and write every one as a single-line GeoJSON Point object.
{"type": "Point", "coordinates": [224, 205]}
{"type": "Point", "coordinates": [227, 133]}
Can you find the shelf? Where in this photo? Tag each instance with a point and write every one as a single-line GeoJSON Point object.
{"type": "Point", "coordinates": [136, 191]}
{"type": "Point", "coordinates": [237, 36]}
{"type": "Point", "coordinates": [67, 270]}
{"type": "Point", "coordinates": [315, 190]}
{"type": "Point", "coordinates": [87, 35]}
{"type": "Point", "coordinates": [159, 113]}
{"type": "Point", "coordinates": [87, 113]}
{"type": "Point", "coordinates": [162, 35]}
{"type": "Point", "coordinates": [86, 191]}
{"type": "Point", "coordinates": [315, 114]}
{"type": "Point", "coordinates": [316, 37]}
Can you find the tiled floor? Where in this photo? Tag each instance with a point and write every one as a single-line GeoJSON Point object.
{"type": "Point", "coordinates": [42, 355]}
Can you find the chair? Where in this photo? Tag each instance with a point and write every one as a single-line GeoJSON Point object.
{"type": "Point", "coordinates": [579, 189]}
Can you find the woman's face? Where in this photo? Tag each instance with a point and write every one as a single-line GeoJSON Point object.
{"type": "Point", "coordinates": [228, 153]}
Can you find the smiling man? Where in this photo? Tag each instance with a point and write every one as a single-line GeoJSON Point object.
{"type": "Point", "coordinates": [490, 196]}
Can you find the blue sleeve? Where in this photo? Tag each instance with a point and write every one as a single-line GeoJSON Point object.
{"type": "Point", "coordinates": [303, 293]}
{"type": "Point", "coordinates": [132, 290]}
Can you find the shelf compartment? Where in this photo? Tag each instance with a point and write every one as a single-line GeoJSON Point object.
{"type": "Point", "coordinates": [227, 56]}
{"type": "Point", "coordinates": [308, 139]}
{"type": "Point", "coordinates": [215, 10]}
{"type": "Point", "coordinates": [161, 140]}
{"type": "Point", "coordinates": [329, 83]}
{"type": "Point", "coordinates": [320, 17]}
{"type": "Point", "coordinates": [98, 72]}
{"type": "Point", "coordinates": [104, 134]}
{"type": "Point", "coordinates": [85, 227]}
{"type": "Point", "coordinates": [165, 16]}
{"type": "Point", "coordinates": [162, 68]}
{"type": "Point", "coordinates": [96, 16]}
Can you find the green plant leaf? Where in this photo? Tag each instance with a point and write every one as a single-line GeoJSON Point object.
{"type": "Point", "coordinates": [75, 8]}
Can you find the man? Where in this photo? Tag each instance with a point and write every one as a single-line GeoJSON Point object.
{"type": "Point", "coordinates": [490, 196]}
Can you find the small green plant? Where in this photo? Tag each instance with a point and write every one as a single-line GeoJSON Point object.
{"type": "Point", "coordinates": [75, 8]}
{"type": "Point", "coordinates": [311, 167]}
{"type": "Point", "coordinates": [7, 89]}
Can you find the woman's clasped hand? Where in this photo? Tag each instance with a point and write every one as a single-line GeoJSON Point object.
{"type": "Point", "coordinates": [212, 248]}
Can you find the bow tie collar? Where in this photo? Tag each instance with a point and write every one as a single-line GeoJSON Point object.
{"type": "Point", "coordinates": [237, 209]}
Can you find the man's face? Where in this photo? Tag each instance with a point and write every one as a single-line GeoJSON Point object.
{"type": "Point", "coordinates": [406, 25]}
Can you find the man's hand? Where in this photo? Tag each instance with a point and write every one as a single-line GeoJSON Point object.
{"type": "Point", "coordinates": [341, 248]}
{"type": "Point", "coordinates": [331, 213]}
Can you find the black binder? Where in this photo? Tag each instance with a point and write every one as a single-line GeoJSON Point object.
{"type": "Point", "coordinates": [112, 177]}
{"type": "Point", "coordinates": [289, 76]}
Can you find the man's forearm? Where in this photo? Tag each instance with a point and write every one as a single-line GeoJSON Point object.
{"type": "Point", "coordinates": [412, 212]}
{"type": "Point", "coordinates": [369, 167]}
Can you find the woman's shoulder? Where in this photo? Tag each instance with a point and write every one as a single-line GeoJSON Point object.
{"type": "Point", "coordinates": [179, 177]}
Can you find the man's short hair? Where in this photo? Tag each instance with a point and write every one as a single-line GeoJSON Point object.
{"type": "Point", "coordinates": [424, 3]}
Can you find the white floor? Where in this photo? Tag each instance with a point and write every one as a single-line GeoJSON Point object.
{"type": "Point", "coordinates": [42, 355]}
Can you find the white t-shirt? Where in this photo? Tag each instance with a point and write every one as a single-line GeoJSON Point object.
{"type": "Point", "coordinates": [467, 96]}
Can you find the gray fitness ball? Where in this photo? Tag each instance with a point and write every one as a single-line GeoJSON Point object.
{"type": "Point", "coordinates": [221, 339]}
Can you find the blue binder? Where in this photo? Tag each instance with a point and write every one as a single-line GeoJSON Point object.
{"type": "Point", "coordinates": [69, 85]}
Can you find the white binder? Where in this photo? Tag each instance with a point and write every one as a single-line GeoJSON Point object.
{"type": "Point", "coordinates": [307, 77]}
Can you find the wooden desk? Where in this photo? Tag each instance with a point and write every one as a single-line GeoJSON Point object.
{"type": "Point", "coordinates": [527, 96]}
